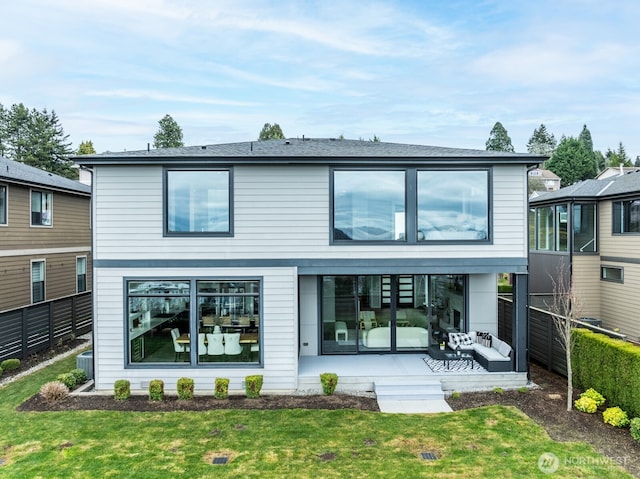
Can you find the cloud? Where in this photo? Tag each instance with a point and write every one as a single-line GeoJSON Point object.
{"type": "Point", "coordinates": [166, 97]}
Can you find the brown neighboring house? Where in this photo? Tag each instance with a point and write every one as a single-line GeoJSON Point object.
{"type": "Point", "coordinates": [45, 236]}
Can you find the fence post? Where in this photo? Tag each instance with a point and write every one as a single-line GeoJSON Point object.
{"type": "Point", "coordinates": [74, 319]}
{"type": "Point", "coordinates": [24, 333]}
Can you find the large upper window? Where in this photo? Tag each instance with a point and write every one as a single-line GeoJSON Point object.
{"type": "Point", "coordinates": [584, 228]}
{"type": "Point", "coordinates": [198, 202]}
{"type": "Point", "coordinates": [453, 205]}
{"type": "Point", "coordinates": [3, 205]}
{"type": "Point", "coordinates": [411, 205]}
{"type": "Point", "coordinates": [626, 216]}
{"type": "Point", "coordinates": [369, 205]}
{"type": "Point", "coordinates": [41, 208]}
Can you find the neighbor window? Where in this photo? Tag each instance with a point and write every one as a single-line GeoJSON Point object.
{"type": "Point", "coordinates": [612, 273]}
{"type": "Point", "coordinates": [81, 274]}
{"type": "Point", "coordinates": [37, 281]}
{"type": "Point", "coordinates": [584, 228]}
{"type": "Point", "coordinates": [3, 205]}
{"type": "Point", "coordinates": [453, 205]}
{"type": "Point", "coordinates": [626, 216]}
{"type": "Point", "coordinates": [41, 208]}
{"type": "Point", "coordinates": [198, 202]}
{"type": "Point", "coordinates": [369, 205]}
{"type": "Point", "coordinates": [545, 229]}
{"type": "Point", "coordinates": [161, 321]}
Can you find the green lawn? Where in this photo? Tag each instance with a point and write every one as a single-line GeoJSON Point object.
{"type": "Point", "coordinates": [480, 443]}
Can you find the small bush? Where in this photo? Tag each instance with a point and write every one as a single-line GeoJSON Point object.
{"type": "Point", "coordinates": [586, 404]}
{"type": "Point", "coordinates": [0, 371]}
{"type": "Point", "coordinates": [595, 395]}
{"type": "Point", "coordinates": [221, 390]}
{"type": "Point", "coordinates": [67, 379]}
{"type": "Point", "coordinates": [185, 388]}
{"type": "Point", "coordinates": [156, 389]}
{"type": "Point", "coordinates": [498, 390]}
{"type": "Point", "coordinates": [54, 391]}
{"type": "Point", "coordinates": [122, 389]}
{"type": "Point", "coordinates": [329, 382]}
{"type": "Point", "coordinates": [253, 385]}
{"type": "Point", "coordinates": [10, 364]}
{"type": "Point", "coordinates": [523, 389]}
{"type": "Point", "coordinates": [635, 428]}
{"type": "Point", "coordinates": [616, 417]}
{"type": "Point", "coordinates": [455, 395]}
{"type": "Point", "coordinates": [80, 375]}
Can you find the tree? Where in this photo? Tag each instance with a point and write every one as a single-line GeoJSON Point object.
{"type": "Point", "coordinates": [564, 310]}
{"type": "Point", "coordinates": [601, 161]}
{"type": "Point", "coordinates": [572, 162]}
{"type": "Point", "coordinates": [618, 157]}
{"type": "Point", "coordinates": [585, 138]}
{"type": "Point", "coordinates": [499, 139]}
{"type": "Point", "coordinates": [541, 142]}
{"type": "Point", "coordinates": [637, 162]}
{"type": "Point", "coordinates": [271, 132]}
{"type": "Point", "coordinates": [535, 183]}
{"type": "Point", "coordinates": [86, 148]}
{"type": "Point", "coordinates": [169, 134]}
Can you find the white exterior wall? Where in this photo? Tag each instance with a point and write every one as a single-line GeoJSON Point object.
{"type": "Point", "coordinates": [309, 340]}
{"type": "Point", "coordinates": [280, 212]}
{"type": "Point", "coordinates": [483, 303]}
{"type": "Point", "coordinates": [279, 330]}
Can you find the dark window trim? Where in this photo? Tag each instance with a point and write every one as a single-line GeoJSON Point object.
{"type": "Point", "coordinates": [617, 218]}
{"type": "Point", "coordinates": [42, 192]}
{"type": "Point", "coordinates": [193, 323]}
{"type": "Point", "coordinates": [5, 213]}
{"type": "Point", "coordinates": [165, 204]}
{"type": "Point", "coordinates": [84, 275]}
{"type": "Point", "coordinates": [411, 207]}
{"type": "Point", "coordinates": [44, 280]}
{"type": "Point", "coordinates": [612, 280]}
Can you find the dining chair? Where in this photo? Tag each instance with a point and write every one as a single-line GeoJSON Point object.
{"type": "Point", "coordinates": [214, 344]}
{"type": "Point", "coordinates": [177, 347]}
{"type": "Point", "coordinates": [232, 345]}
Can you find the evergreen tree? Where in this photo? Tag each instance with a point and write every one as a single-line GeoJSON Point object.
{"type": "Point", "coordinates": [585, 138]}
{"type": "Point", "coordinates": [541, 142]}
{"type": "Point", "coordinates": [499, 139]}
{"type": "Point", "coordinates": [572, 162]}
{"type": "Point", "coordinates": [601, 162]}
{"type": "Point", "coordinates": [637, 162]}
{"type": "Point", "coordinates": [169, 134]}
{"type": "Point", "coordinates": [86, 148]}
{"type": "Point", "coordinates": [618, 157]}
{"type": "Point", "coordinates": [271, 132]}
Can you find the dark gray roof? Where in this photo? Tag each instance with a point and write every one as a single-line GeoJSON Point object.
{"type": "Point", "coordinates": [614, 186]}
{"type": "Point", "coordinates": [306, 150]}
{"type": "Point", "coordinates": [16, 172]}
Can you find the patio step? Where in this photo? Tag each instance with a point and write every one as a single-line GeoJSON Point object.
{"type": "Point", "coordinates": [398, 389]}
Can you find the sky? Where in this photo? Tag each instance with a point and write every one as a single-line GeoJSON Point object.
{"type": "Point", "coordinates": [424, 72]}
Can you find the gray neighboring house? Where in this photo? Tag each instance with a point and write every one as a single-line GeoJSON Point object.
{"type": "Point", "coordinates": [299, 248]}
{"type": "Point", "coordinates": [591, 230]}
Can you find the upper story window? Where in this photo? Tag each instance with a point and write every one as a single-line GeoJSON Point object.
{"type": "Point", "coordinates": [369, 205]}
{"type": "Point", "coordinates": [584, 228]}
{"type": "Point", "coordinates": [453, 205]}
{"type": "Point", "coordinates": [552, 227]}
{"type": "Point", "coordinates": [198, 202]}
{"type": "Point", "coordinates": [626, 216]}
{"type": "Point", "coordinates": [410, 205]}
{"type": "Point", "coordinates": [41, 208]}
{"type": "Point", "coordinates": [3, 205]}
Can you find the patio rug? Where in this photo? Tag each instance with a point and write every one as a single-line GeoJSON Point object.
{"type": "Point", "coordinates": [438, 366]}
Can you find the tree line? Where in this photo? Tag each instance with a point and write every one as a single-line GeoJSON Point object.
{"type": "Point", "coordinates": [573, 159]}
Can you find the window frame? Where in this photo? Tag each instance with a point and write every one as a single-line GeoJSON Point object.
{"type": "Point", "coordinates": [619, 214]}
{"type": "Point", "coordinates": [43, 262]}
{"type": "Point", "coordinates": [78, 275]}
{"type": "Point", "coordinates": [603, 276]}
{"type": "Point", "coordinates": [4, 204]}
{"type": "Point", "coordinates": [165, 203]}
{"type": "Point", "coordinates": [31, 204]}
{"type": "Point", "coordinates": [411, 206]}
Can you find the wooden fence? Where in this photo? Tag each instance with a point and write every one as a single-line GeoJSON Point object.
{"type": "Point", "coordinates": [28, 330]}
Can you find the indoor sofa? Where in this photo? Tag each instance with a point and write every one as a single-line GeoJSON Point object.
{"type": "Point", "coordinates": [492, 353]}
{"type": "Point", "coordinates": [406, 337]}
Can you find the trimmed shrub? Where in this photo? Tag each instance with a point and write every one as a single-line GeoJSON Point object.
{"type": "Point", "coordinates": [80, 375]}
{"type": "Point", "coordinates": [0, 371]}
{"type": "Point", "coordinates": [329, 382]}
{"type": "Point", "coordinates": [67, 379]}
{"type": "Point", "coordinates": [54, 391]}
{"type": "Point", "coordinates": [595, 395]}
{"type": "Point", "coordinates": [185, 388]}
{"type": "Point", "coordinates": [586, 404]}
{"type": "Point", "coordinates": [498, 390]}
{"type": "Point", "coordinates": [122, 389]}
{"type": "Point", "coordinates": [616, 417]}
{"type": "Point", "coordinates": [156, 389]}
{"type": "Point", "coordinates": [10, 364]}
{"type": "Point", "coordinates": [455, 395]}
{"type": "Point", "coordinates": [221, 390]}
{"type": "Point", "coordinates": [253, 385]}
{"type": "Point", "coordinates": [635, 428]}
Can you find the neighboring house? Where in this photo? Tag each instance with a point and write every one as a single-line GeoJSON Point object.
{"type": "Point", "coordinates": [285, 249]}
{"type": "Point", "coordinates": [616, 171]}
{"type": "Point", "coordinates": [45, 237]}
{"type": "Point", "coordinates": [591, 232]}
{"type": "Point", "coordinates": [550, 180]}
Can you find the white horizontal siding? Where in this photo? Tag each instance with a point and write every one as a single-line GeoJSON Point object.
{"type": "Point", "coordinates": [280, 212]}
{"type": "Point", "coordinates": [279, 330]}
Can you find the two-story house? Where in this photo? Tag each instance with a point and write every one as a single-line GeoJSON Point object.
{"type": "Point", "coordinates": [589, 235]}
{"type": "Point", "coordinates": [236, 259]}
{"type": "Point", "coordinates": [45, 238]}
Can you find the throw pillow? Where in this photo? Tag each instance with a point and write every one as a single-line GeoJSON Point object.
{"type": "Point", "coordinates": [460, 339]}
{"type": "Point", "coordinates": [483, 338]}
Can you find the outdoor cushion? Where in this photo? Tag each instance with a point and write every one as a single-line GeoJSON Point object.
{"type": "Point", "coordinates": [483, 338]}
{"type": "Point", "coordinates": [460, 339]}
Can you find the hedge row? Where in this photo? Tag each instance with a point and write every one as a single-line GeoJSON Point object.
{"type": "Point", "coordinates": [610, 366]}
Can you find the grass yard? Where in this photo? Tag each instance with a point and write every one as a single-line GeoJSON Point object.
{"type": "Point", "coordinates": [489, 442]}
